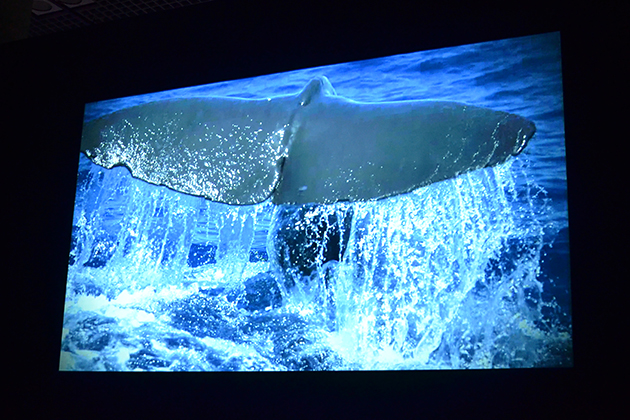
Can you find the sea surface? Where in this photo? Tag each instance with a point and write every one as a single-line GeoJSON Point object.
{"type": "Point", "coordinates": [467, 273]}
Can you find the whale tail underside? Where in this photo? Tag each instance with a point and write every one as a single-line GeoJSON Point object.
{"type": "Point", "coordinates": [313, 147]}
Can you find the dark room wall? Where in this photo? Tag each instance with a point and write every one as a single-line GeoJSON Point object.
{"type": "Point", "coordinates": [46, 81]}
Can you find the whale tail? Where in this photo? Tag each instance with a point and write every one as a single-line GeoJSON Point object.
{"type": "Point", "coordinates": [312, 147]}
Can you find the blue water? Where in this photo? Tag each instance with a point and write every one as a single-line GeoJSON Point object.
{"type": "Point", "coordinates": [466, 273]}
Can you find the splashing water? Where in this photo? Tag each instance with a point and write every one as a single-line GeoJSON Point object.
{"type": "Point", "coordinates": [447, 276]}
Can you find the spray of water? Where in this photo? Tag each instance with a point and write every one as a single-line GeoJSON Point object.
{"type": "Point", "coordinates": [447, 276]}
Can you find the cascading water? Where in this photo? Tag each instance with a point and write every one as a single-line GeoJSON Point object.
{"type": "Point", "coordinates": [442, 277]}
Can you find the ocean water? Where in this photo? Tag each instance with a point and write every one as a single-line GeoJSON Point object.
{"type": "Point", "coordinates": [467, 273]}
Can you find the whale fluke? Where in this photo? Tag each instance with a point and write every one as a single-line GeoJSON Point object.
{"type": "Point", "coordinates": [311, 147]}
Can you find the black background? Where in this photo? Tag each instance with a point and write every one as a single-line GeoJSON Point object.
{"type": "Point", "coordinates": [44, 83]}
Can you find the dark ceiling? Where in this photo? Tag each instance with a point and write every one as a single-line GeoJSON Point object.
{"type": "Point", "coordinates": [50, 16]}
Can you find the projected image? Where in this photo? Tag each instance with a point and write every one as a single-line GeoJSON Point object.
{"type": "Point", "coordinates": [400, 213]}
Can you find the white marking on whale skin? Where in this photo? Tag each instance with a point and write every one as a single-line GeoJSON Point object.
{"type": "Point", "coordinates": [311, 147]}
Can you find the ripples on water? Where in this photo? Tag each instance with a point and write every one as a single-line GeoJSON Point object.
{"type": "Point", "coordinates": [466, 273]}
